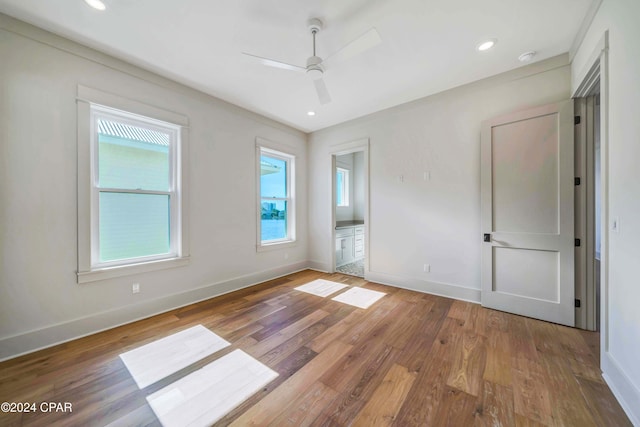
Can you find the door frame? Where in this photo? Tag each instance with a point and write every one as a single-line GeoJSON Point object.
{"type": "Point", "coordinates": [585, 210]}
{"type": "Point", "coordinates": [596, 73]}
{"type": "Point", "coordinates": [359, 145]}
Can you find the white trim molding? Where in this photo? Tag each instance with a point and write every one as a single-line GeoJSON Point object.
{"type": "Point", "coordinates": [584, 27]}
{"type": "Point", "coordinates": [434, 288]}
{"type": "Point", "coordinates": [359, 145]}
{"type": "Point", "coordinates": [49, 336]}
{"type": "Point", "coordinates": [622, 388]}
{"type": "Point", "coordinates": [287, 155]}
{"type": "Point", "coordinates": [594, 72]}
{"type": "Point", "coordinates": [88, 100]}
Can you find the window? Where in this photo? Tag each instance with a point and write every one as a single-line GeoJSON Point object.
{"type": "Point", "coordinates": [276, 208]}
{"type": "Point", "coordinates": [342, 187]}
{"type": "Point", "coordinates": [134, 188]}
{"type": "Point", "coordinates": [130, 216]}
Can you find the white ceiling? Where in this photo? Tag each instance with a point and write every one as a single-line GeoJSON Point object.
{"type": "Point", "coordinates": [427, 45]}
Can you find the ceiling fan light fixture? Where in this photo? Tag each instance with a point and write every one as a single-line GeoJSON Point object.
{"type": "Point", "coordinates": [96, 4]}
{"type": "Point", "coordinates": [314, 67]}
{"type": "Point", "coordinates": [315, 73]}
{"type": "Point", "coordinates": [486, 45]}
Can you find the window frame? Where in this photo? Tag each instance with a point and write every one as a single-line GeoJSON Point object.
{"type": "Point", "coordinates": [99, 112]}
{"type": "Point", "coordinates": [92, 105]}
{"type": "Point", "coordinates": [345, 187]}
{"type": "Point", "coordinates": [289, 159]}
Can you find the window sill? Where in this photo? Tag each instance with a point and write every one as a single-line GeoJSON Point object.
{"type": "Point", "coordinates": [126, 270]}
{"type": "Point", "coordinates": [276, 245]}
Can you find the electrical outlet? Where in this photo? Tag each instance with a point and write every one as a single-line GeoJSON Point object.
{"type": "Point", "coordinates": [286, 255]}
{"type": "Point", "coordinates": [135, 288]}
{"type": "Point", "coordinates": [427, 176]}
{"type": "Point", "coordinates": [426, 268]}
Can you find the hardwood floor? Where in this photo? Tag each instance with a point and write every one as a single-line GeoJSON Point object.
{"type": "Point", "coordinates": [411, 359]}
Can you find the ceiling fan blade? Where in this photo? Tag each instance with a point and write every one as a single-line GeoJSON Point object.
{"type": "Point", "coordinates": [274, 63]}
{"type": "Point", "coordinates": [323, 93]}
{"type": "Point", "coordinates": [365, 42]}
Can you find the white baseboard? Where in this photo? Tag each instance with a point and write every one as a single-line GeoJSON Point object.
{"type": "Point", "coordinates": [621, 386]}
{"type": "Point", "coordinates": [28, 342]}
{"type": "Point", "coordinates": [623, 389]}
{"type": "Point", "coordinates": [435, 288]}
{"type": "Point", "coordinates": [319, 266]}
{"type": "Point", "coordinates": [49, 336]}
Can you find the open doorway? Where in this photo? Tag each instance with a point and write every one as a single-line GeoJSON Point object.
{"type": "Point", "coordinates": [349, 208]}
{"type": "Point", "coordinates": [588, 208]}
{"type": "Point", "coordinates": [349, 212]}
{"type": "Point", "coordinates": [593, 88]}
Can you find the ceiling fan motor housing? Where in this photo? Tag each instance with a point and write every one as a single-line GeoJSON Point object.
{"type": "Point", "coordinates": [314, 67]}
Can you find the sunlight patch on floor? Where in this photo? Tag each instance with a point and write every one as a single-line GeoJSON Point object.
{"type": "Point", "coordinates": [322, 288]}
{"type": "Point", "coordinates": [208, 394]}
{"type": "Point", "coordinates": [157, 360]}
{"type": "Point", "coordinates": [359, 297]}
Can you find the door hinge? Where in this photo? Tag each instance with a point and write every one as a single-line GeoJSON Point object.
{"type": "Point", "coordinates": [576, 180]}
{"type": "Point", "coordinates": [576, 120]}
{"type": "Point", "coordinates": [577, 242]}
{"type": "Point", "coordinates": [577, 303]}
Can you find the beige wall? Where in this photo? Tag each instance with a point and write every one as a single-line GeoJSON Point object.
{"type": "Point", "coordinates": [437, 222]}
{"type": "Point", "coordinates": [412, 221]}
{"type": "Point", "coordinates": [621, 197]}
{"type": "Point", "coordinates": [40, 300]}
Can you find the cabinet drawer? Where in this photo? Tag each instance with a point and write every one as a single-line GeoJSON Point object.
{"type": "Point", "coordinates": [359, 240]}
{"type": "Point", "coordinates": [359, 253]}
{"type": "Point", "coordinates": [344, 232]}
{"type": "Point", "coordinates": [360, 229]}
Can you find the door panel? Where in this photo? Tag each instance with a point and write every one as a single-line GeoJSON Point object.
{"type": "Point", "coordinates": [534, 267]}
{"type": "Point", "coordinates": [527, 208]}
{"type": "Point", "coordinates": [525, 175]}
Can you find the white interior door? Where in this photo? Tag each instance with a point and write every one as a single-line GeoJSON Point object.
{"type": "Point", "coordinates": [527, 213]}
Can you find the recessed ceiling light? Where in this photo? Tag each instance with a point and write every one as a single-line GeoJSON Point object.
{"type": "Point", "coordinates": [527, 56]}
{"type": "Point", "coordinates": [311, 113]}
{"type": "Point", "coordinates": [486, 45]}
{"type": "Point", "coordinates": [96, 4]}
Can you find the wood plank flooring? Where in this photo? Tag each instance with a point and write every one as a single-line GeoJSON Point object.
{"type": "Point", "coordinates": [410, 359]}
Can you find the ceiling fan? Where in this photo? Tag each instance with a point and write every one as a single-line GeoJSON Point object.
{"type": "Point", "coordinates": [316, 66]}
